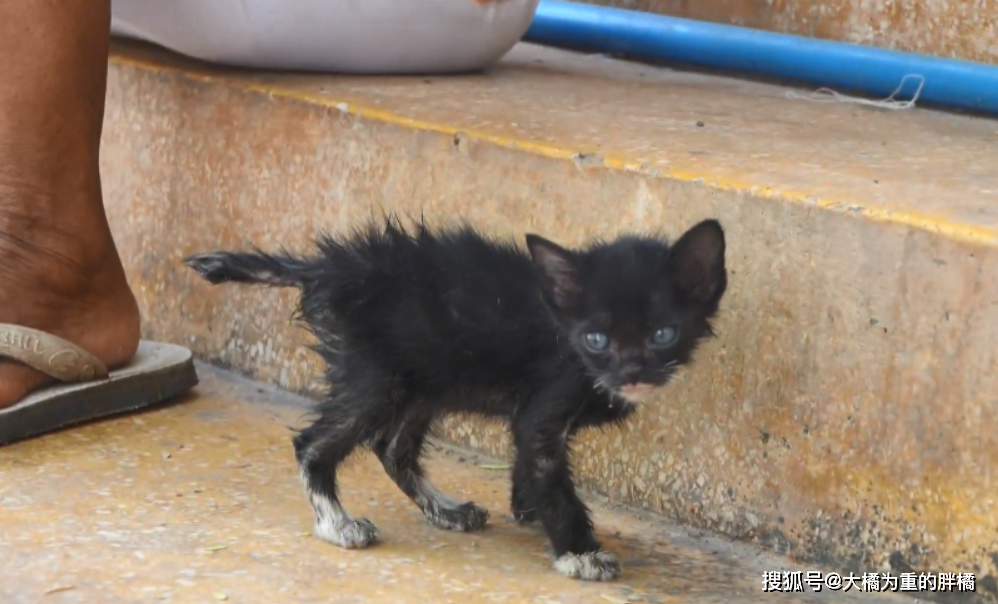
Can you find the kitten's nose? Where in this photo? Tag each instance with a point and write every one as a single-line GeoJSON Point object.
{"type": "Point", "coordinates": [630, 375]}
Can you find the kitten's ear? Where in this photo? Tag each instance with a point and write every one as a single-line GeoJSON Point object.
{"type": "Point", "coordinates": [696, 264]}
{"type": "Point", "coordinates": [560, 269]}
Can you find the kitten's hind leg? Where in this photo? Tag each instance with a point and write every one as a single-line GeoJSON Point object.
{"type": "Point", "coordinates": [320, 449]}
{"type": "Point", "coordinates": [399, 450]}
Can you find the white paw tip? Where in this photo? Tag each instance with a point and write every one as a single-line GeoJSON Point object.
{"type": "Point", "coordinates": [595, 566]}
{"type": "Point", "coordinates": [354, 534]}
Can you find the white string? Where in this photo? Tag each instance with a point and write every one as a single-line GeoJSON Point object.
{"type": "Point", "coordinates": [827, 95]}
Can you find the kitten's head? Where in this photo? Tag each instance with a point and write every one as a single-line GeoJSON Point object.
{"type": "Point", "coordinates": [635, 308]}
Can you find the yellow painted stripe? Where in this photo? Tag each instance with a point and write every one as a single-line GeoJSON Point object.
{"type": "Point", "coordinates": [935, 223]}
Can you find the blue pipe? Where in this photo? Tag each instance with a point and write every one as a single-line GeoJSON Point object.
{"type": "Point", "coordinates": [947, 82]}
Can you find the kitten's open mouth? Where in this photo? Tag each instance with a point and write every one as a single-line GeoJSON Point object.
{"type": "Point", "coordinates": [636, 393]}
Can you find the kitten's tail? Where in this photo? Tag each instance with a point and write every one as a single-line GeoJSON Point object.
{"type": "Point", "coordinates": [241, 267]}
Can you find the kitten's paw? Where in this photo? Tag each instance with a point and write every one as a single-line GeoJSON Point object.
{"type": "Point", "coordinates": [352, 534]}
{"type": "Point", "coordinates": [594, 566]}
{"type": "Point", "coordinates": [465, 517]}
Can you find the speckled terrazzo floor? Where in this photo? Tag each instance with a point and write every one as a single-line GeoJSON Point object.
{"type": "Point", "coordinates": [199, 501]}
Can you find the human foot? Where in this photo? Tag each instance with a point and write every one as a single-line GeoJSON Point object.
{"type": "Point", "coordinates": [69, 285]}
{"type": "Point", "coordinates": [59, 269]}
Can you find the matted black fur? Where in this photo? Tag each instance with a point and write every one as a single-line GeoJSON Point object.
{"type": "Point", "coordinates": [417, 323]}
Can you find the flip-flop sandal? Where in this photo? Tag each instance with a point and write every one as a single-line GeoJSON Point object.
{"type": "Point", "coordinates": [158, 372]}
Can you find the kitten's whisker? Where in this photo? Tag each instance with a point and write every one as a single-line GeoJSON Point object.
{"type": "Point", "coordinates": [599, 385]}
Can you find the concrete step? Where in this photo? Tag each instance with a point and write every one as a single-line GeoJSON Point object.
{"type": "Point", "coordinates": [843, 414]}
{"type": "Point", "coordinates": [960, 30]}
{"type": "Point", "coordinates": [201, 502]}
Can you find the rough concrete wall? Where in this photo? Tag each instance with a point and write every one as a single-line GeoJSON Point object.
{"type": "Point", "coordinates": [844, 414]}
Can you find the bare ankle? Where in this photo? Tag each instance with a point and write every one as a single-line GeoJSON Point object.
{"type": "Point", "coordinates": [63, 236]}
{"type": "Point", "coordinates": [66, 282]}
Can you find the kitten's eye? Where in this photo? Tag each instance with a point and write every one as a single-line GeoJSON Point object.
{"type": "Point", "coordinates": [597, 342]}
{"type": "Point", "coordinates": [666, 336]}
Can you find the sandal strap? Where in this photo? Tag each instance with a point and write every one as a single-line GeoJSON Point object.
{"type": "Point", "coordinates": [49, 354]}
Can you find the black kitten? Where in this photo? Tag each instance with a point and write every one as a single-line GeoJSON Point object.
{"type": "Point", "coordinates": [416, 325]}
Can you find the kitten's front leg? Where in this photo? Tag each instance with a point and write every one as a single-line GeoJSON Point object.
{"type": "Point", "coordinates": [547, 481]}
{"type": "Point", "coordinates": [522, 505]}
{"type": "Point", "coordinates": [597, 412]}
